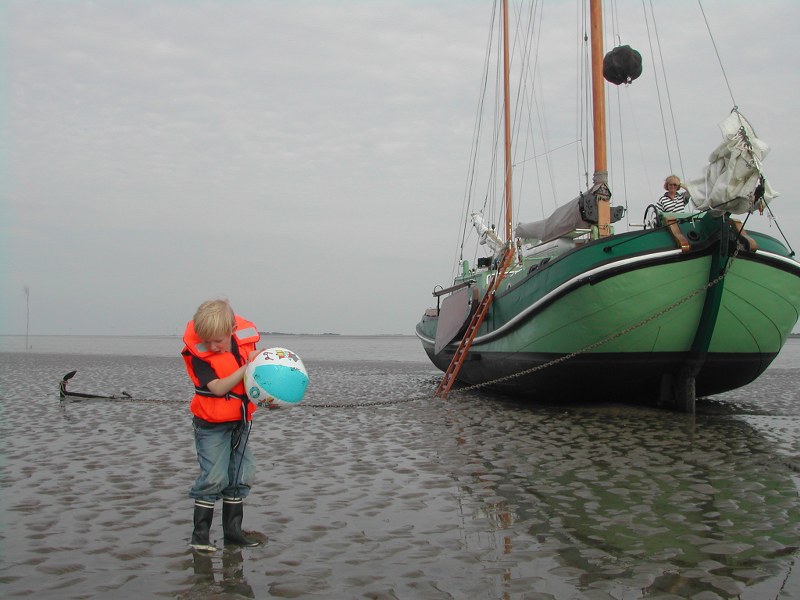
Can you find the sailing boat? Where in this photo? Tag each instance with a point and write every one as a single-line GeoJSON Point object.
{"type": "Point", "coordinates": [693, 304]}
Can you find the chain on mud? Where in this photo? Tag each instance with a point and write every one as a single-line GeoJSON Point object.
{"type": "Point", "coordinates": [463, 390]}
{"type": "Point", "coordinates": [369, 404]}
{"type": "Point", "coordinates": [119, 399]}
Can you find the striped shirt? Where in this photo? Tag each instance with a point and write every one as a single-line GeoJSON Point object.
{"type": "Point", "coordinates": [676, 204]}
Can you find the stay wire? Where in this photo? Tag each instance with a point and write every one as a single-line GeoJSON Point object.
{"type": "Point", "coordinates": [716, 51]}
{"type": "Point", "coordinates": [658, 88]}
{"type": "Point", "coordinates": [476, 137]}
{"type": "Point", "coordinates": [783, 235]}
{"type": "Point", "coordinates": [666, 87]}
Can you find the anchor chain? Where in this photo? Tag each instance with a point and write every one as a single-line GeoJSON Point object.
{"type": "Point", "coordinates": [463, 390]}
{"type": "Point", "coordinates": [368, 404]}
{"type": "Point", "coordinates": [371, 403]}
{"type": "Point", "coordinates": [611, 337]}
{"type": "Point", "coordinates": [76, 398]}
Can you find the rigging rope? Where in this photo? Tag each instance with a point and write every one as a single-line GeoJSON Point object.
{"type": "Point", "coordinates": [474, 150]}
{"type": "Point", "coordinates": [714, 43]}
{"type": "Point", "coordinates": [669, 96]}
{"type": "Point", "coordinates": [584, 100]}
{"type": "Point", "coordinates": [658, 88]}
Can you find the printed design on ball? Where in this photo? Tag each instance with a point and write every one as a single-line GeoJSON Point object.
{"type": "Point", "coordinates": [280, 354]}
{"type": "Point", "coordinates": [277, 375]}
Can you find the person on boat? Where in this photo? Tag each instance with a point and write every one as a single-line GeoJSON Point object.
{"type": "Point", "coordinates": [218, 346]}
{"type": "Point", "coordinates": [673, 200]}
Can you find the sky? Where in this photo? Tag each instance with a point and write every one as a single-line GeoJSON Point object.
{"type": "Point", "coordinates": [307, 159]}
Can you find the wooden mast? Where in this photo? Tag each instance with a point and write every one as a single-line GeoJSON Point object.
{"type": "Point", "coordinates": [507, 120]}
{"type": "Point", "coordinates": [599, 120]}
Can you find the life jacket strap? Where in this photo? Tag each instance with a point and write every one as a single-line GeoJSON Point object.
{"type": "Point", "coordinates": [206, 393]}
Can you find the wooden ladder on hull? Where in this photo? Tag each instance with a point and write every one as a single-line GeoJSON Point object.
{"type": "Point", "coordinates": [460, 355]}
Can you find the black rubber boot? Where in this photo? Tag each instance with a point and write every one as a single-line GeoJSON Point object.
{"type": "Point", "coordinates": [232, 513]}
{"type": "Point", "coordinates": [203, 514]}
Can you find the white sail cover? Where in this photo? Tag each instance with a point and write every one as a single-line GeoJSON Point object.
{"type": "Point", "coordinates": [487, 235]}
{"type": "Point", "coordinates": [732, 175]}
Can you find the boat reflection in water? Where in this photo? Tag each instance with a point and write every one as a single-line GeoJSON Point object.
{"type": "Point", "coordinates": [632, 499]}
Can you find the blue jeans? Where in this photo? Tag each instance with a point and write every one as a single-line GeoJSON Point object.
{"type": "Point", "coordinates": [225, 470]}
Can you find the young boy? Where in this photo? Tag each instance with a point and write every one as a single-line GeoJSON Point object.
{"type": "Point", "coordinates": [218, 346]}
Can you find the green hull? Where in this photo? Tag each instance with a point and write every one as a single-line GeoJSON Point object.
{"type": "Point", "coordinates": [632, 314]}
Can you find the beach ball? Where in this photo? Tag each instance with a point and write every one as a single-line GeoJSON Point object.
{"type": "Point", "coordinates": [276, 375]}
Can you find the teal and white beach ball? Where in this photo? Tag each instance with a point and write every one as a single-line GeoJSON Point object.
{"type": "Point", "coordinates": [276, 375]}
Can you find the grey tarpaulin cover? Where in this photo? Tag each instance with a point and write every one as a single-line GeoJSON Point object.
{"type": "Point", "coordinates": [565, 219]}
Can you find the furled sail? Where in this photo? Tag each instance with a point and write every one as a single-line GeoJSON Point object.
{"type": "Point", "coordinates": [733, 180]}
{"type": "Point", "coordinates": [486, 234]}
{"type": "Point", "coordinates": [565, 218]}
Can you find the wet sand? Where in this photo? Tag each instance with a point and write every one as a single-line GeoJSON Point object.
{"type": "Point", "coordinates": [473, 497]}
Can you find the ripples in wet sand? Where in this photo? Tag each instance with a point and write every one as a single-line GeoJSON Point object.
{"type": "Point", "coordinates": [473, 497]}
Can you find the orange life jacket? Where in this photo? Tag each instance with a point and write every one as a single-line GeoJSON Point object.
{"type": "Point", "coordinates": [204, 404]}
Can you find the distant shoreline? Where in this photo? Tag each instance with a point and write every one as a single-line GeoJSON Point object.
{"type": "Point", "coordinates": [342, 334]}
{"type": "Point", "coordinates": [176, 335]}
{"type": "Point", "coordinates": [284, 333]}
{"type": "Point", "coordinates": [793, 336]}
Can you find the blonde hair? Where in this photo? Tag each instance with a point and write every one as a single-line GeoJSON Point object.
{"type": "Point", "coordinates": [214, 319]}
{"type": "Point", "coordinates": [672, 179]}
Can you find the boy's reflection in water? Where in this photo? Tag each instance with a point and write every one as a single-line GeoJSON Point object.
{"type": "Point", "coordinates": [232, 571]}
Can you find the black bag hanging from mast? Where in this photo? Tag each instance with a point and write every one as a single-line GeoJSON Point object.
{"type": "Point", "coordinates": [622, 65]}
